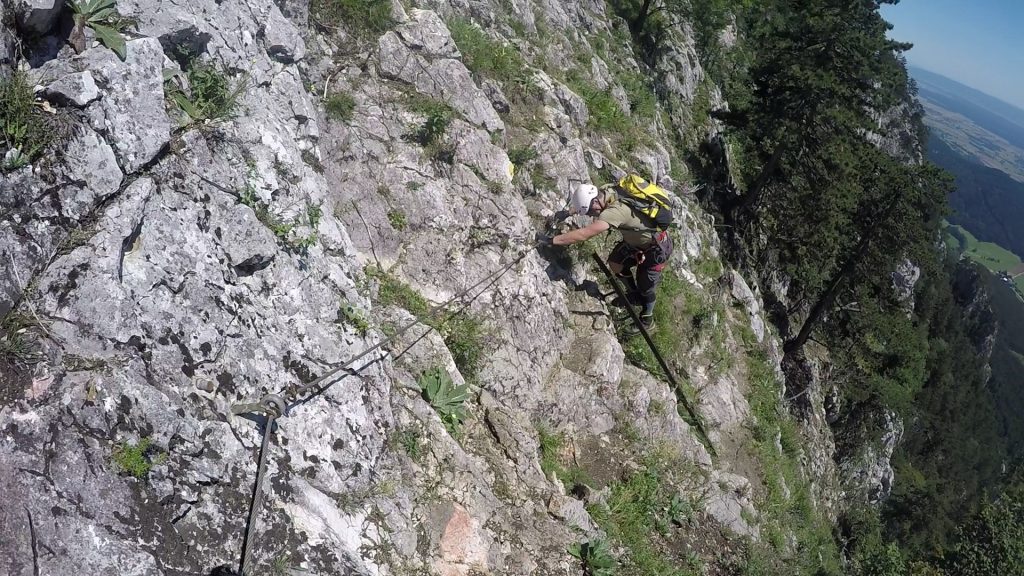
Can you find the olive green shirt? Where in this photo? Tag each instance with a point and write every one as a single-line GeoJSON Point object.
{"type": "Point", "coordinates": [621, 217]}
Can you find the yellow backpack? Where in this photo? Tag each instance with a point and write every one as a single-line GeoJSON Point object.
{"type": "Point", "coordinates": [647, 200]}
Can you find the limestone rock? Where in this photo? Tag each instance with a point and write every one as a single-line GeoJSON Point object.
{"type": "Point", "coordinates": [282, 39]}
{"type": "Point", "coordinates": [78, 89]}
{"type": "Point", "coordinates": [421, 52]}
{"type": "Point", "coordinates": [866, 466]}
{"type": "Point", "coordinates": [247, 243]}
{"type": "Point", "coordinates": [8, 51]}
{"type": "Point", "coordinates": [730, 503]}
{"type": "Point", "coordinates": [91, 169]}
{"type": "Point", "coordinates": [904, 279]}
{"type": "Point", "coordinates": [742, 293]}
{"type": "Point", "coordinates": [131, 112]}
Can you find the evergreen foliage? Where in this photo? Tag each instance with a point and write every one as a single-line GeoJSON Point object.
{"type": "Point", "coordinates": [821, 201]}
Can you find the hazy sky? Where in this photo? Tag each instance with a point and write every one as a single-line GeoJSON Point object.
{"type": "Point", "coordinates": [979, 43]}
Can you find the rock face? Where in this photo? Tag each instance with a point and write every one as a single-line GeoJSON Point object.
{"type": "Point", "coordinates": [904, 279]}
{"type": "Point", "coordinates": [972, 296]}
{"type": "Point", "coordinates": [422, 53]}
{"type": "Point", "coordinates": [866, 469]}
{"type": "Point", "coordinates": [160, 271]}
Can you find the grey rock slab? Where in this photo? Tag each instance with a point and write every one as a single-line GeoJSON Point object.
{"type": "Point", "coordinates": [597, 356]}
{"type": "Point", "coordinates": [446, 79]}
{"type": "Point", "coordinates": [131, 112]}
{"type": "Point", "coordinates": [78, 89]}
{"type": "Point", "coordinates": [281, 38]}
{"type": "Point", "coordinates": [729, 503]}
{"type": "Point", "coordinates": [249, 245]}
{"type": "Point", "coordinates": [90, 167]}
{"type": "Point", "coordinates": [36, 17]}
{"type": "Point", "coordinates": [904, 279]}
{"type": "Point", "coordinates": [492, 88]}
{"type": "Point", "coordinates": [27, 238]}
{"type": "Point", "coordinates": [427, 34]}
{"type": "Point", "coordinates": [572, 512]}
{"type": "Point", "coordinates": [742, 293]}
{"type": "Point", "coordinates": [474, 148]}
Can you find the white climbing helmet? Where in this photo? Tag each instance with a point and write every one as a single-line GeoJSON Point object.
{"type": "Point", "coordinates": [581, 197]}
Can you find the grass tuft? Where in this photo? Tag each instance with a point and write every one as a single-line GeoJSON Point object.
{"type": "Point", "coordinates": [208, 95]}
{"type": "Point", "coordinates": [23, 126]}
{"type": "Point", "coordinates": [464, 333]}
{"type": "Point", "coordinates": [340, 106]}
{"type": "Point", "coordinates": [363, 19]}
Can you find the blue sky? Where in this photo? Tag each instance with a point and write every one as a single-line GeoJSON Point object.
{"type": "Point", "coordinates": [975, 42]}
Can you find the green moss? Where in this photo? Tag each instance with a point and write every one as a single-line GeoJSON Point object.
{"type": "Point", "coordinates": [137, 460]}
{"type": "Point", "coordinates": [410, 441]}
{"type": "Point", "coordinates": [550, 445]}
{"type": "Point", "coordinates": [522, 155]}
{"type": "Point", "coordinates": [642, 99]}
{"type": "Point", "coordinates": [464, 336]}
{"type": "Point", "coordinates": [393, 292]}
{"type": "Point", "coordinates": [397, 219]}
{"type": "Point", "coordinates": [492, 58]}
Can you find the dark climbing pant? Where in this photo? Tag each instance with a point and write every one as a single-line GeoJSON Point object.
{"type": "Point", "coordinates": [641, 268]}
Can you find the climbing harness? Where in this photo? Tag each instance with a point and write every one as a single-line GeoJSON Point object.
{"type": "Point", "coordinates": [275, 406]}
{"type": "Point", "coordinates": [680, 394]}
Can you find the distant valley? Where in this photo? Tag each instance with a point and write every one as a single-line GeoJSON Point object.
{"type": "Point", "coordinates": [975, 125]}
{"type": "Point", "coordinates": [980, 140]}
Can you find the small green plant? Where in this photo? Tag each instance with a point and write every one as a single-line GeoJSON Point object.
{"type": "Point", "coordinates": [541, 181]}
{"type": "Point", "coordinates": [522, 155]}
{"type": "Point", "coordinates": [549, 444]}
{"type": "Point", "coordinates": [410, 442]}
{"type": "Point", "coordinates": [23, 126]}
{"type": "Point", "coordinates": [464, 335]}
{"type": "Point", "coordinates": [438, 116]}
{"type": "Point", "coordinates": [393, 292]}
{"type": "Point", "coordinates": [209, 94]}
{"type": "Point", "coordinates": [314, 212]}
{"type": "Point", "coordinates": [364, 19]}
{"type": "Point", "coordinates": [397, 219]}
{"type": "Point", "coordinates": [102, 17]}
{"type": "Point", "coordinates": [489, 57]}
{"type": "Point", "coordinates": [340, 106]}
{"type": "Point", "coordinates": [15, 346]}
{"type": "Point", "coordinates": [137, 460]}
{"type": "Point", "coordinates": [279, 567]}
{"type": "Point", "coordinates": [311, 160]}
{"type": "Point", "coordinates": [352, 316]}
{"type": "Point", "coordinates": [595, 557]}
{"type": "Point", "coordinates": [282, 229]}
{"type": "Point", "coordinates": [679, 510]}
{"type": "Point", "coordinates": [445, 397]}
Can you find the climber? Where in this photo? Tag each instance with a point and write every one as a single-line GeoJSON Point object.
{"type": "Point", "coordinates": [645, 245]}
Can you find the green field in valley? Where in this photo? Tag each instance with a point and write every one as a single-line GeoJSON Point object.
{"type": "Point", "coordinates": [992, 256]}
